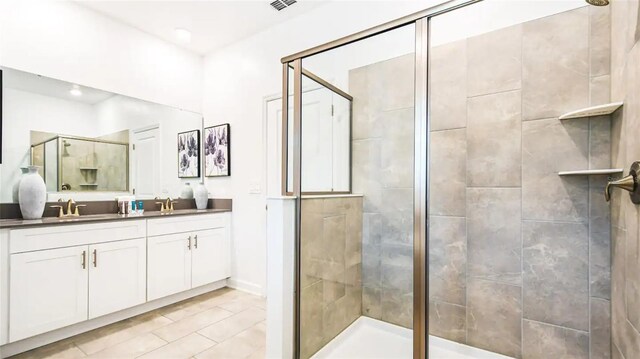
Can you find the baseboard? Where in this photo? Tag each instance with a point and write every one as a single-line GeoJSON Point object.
{"type": "Point", "coordinates": [245, 286]}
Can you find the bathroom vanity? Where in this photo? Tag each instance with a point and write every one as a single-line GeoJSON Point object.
{"type": "Point", "coordinates": [61, 277]}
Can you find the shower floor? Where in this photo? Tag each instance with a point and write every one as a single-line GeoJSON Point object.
{"type": "Point", "coordinates": [371, 338]}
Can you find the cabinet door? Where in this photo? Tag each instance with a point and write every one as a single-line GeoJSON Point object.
{"type": "Point", "coordinates": [117, 276]}
{"type": "Point", "coordinates": [210, 256]}
{"type": "Point", "coordinates": [48, 290]}
{"type": "Point", "coordinates": [169, 265]}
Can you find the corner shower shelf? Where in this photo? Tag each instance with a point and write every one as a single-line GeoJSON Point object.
{"type": "Point", "coordinates": [599, 110]}
{"type": "Point", "coordinates": [88, 169]}
{"type": "Point", "coordinates": [89, 184]}
{"type": "Point", "coordinates": [608, 171]}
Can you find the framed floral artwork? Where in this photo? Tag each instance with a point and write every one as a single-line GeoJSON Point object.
{"type": "Point", "coordinates": [189, 154]}
{"type": "Point", "coordinates": [217, 141]}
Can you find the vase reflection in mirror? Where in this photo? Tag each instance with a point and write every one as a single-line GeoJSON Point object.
{"type": "Point", "coordinates": [202, 196]}
{"type": "Point", "coordinates": [32, 194]}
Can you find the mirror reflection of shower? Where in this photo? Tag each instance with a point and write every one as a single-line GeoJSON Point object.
{"type": "Point", "coordinates": [65, 150]}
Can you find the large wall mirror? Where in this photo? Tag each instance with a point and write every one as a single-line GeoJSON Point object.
{"type": "Point", "coordinates": [90, 144]}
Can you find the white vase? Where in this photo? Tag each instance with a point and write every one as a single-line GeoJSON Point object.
{"type": "Point", "coordinates": [32, 194]}
{"type": "Point", "coordinates": [202, 196]}
{"type": "Point", "coordinates": [16, 186]}
{"type": "Point", "coordinates": [186, 192]}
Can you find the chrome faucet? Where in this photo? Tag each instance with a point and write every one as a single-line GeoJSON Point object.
{"type": "Point", "coordinates": [70, 213]}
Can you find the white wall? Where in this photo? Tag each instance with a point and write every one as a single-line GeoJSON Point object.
{"type": "Point", "coordinates": [63, 40]}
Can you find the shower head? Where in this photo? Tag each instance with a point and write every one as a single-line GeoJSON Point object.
{"type": "Point", "coordinates": [598, 2]}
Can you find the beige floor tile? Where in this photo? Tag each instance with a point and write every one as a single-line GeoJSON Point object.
{"type": "Point", "coordinates": [243, 345]}
{"type": "Point", "coordinates": [183, 348]}
{"type": "Point", "coordinates": [233, 325]}
{"type": "Point", "coordinates": [192, 324]}
{"type": "Point", "coordinates": [243, 303]}
{"type": "Point", "coordinates": [199, 304]}
{"type": "Point", "coordinates": [258, 354]}
{"type": "Point", "coordinates": [102, 338]}
{"type": "Point", "coordinates": [60, 350]}
{"type": "Point", "coordinates": [131, 348]}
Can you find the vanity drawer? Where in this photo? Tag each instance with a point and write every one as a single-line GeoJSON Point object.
{"type": "Point", "coordinates": [184, 224]}
{"type": "Point", "coordinates": [67, 235]}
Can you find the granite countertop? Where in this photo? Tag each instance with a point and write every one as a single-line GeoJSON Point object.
{"type": "Point", "coordinates": [106, 217]}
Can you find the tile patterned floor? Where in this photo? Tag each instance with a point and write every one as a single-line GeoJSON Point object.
{"type": "Point", "coordinates": [223, 324]}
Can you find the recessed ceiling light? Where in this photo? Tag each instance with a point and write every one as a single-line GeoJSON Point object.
{"type": "Point", "coordinates": [75, 91]}
{"type": "Point", "coordinates": [183, 35]}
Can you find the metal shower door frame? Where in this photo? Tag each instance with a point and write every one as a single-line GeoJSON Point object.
{"type": "Point", "coordinates": [421, 20]}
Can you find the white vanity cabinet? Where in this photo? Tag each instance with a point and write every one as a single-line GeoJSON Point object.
{"type": "Point", "coordinates": [194, 253]}
{"type": "Point", "coordinates": [67, 274]}
{"type": "Point", "coordinates": [48, 290]}
{"type": "Point", "coordinates": [117, 276]}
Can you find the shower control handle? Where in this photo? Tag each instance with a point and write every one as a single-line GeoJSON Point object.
{"type": "Point", "coordinates": [628, 183]}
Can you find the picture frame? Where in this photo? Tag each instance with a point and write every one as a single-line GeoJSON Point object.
{"type": "Point", "coordinates": [217, 154]}
{"type": "Point", "coordinates": [189, 154]}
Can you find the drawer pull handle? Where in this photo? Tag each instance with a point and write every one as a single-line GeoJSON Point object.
{"type": "Point", "coordinates": [95, 258]}
{"type": "Point", "coordinates": [84, 259]}
{"type": "Point", "coordinates": [196, 242]}
{"type": "Point", "coordinates": [189, 243]}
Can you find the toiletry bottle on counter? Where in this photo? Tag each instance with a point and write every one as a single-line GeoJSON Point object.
{"type": "Point", "coordinates": [133, 207]}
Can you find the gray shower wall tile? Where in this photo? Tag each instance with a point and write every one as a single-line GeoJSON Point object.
{"type": "Point", "coordinates": [365, 159]}
{"type": "Point", "coordinates": [600, 329]}
{"type": "Point", "coordinates": [632, 266]}
{"type": "Point", "coordinates": [555, 55]}
{"type": "Point", "coordinates": [397, 308]}
{"type": "Point", "coordinates": [448, 98]}
{"type": "Point", "coordinates": [447, 259]}
{"type": "Point", "coordinates": [372, 302]}
{"type": "Point", "coordinates": [448, 321]}
{"type": "Point", "coordinates": [397, 151]}
{"type": "Point", "coordinates": [494, 61]}
{"type": "Point", "coordinates": [599, 239]}
{"type": "Point", "coordinates": [494, 316]}
{"type": "Point", "coordinates": [494, 143]}
{"type": "Point", "coordinates": [542, 341]}
{"type": "Point", "coordinates": [599, 142]}
{"type": "Point", "coordinates": [599, 90]}
{"type": "Point", "coordinates": [397, 278]}
{"type": "Point", "coordinates": [550, 146]}
{"type": "Point", "coordinates": [494, 242]}
{"type": "Point", "coordinates": [556, 273]}
{"type": "Point", "coordinates": [448, 172]}
{"type": "Point", "coordinates": [600, 40]}
{"type": "Point", "coordinates": [391, 83]}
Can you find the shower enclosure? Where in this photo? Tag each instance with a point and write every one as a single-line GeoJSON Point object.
{"type": "Point", "coordinates": [82, 164]}
{"type": "Point", "coordinates": [461, 233]}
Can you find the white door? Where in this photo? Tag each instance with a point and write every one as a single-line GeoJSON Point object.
{"type": "Point", "coordinates": [169, 265]}
{"type": "Point", "coordinates": [146, 163]}
{"type": "Point", "coordinates": [210, 253]}
{"type": "Point", "coordinates": [117, 276]}
{"type": "Point", "coordinates": [48, 290]}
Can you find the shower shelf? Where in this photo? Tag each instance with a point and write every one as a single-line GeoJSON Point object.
{"type": "Point", "coordinates": [88, 169]}
{"type": "Point", "coordinates": [599, 110]}
{"type": "Point", "coordinates": [607, 171]}
{"type": "Point", "coordinates": [88, 184]}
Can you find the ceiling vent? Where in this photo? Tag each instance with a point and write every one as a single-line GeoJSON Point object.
{"type": "Point", "coordinates": [282, 4]}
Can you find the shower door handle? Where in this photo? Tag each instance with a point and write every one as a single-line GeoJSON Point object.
{"type": "Point", "coordinates": [628, 183]}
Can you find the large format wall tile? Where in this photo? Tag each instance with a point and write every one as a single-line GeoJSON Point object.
{"type": "Point", "coordinates": [391, 84]}
{"type": "Point", "coordinates": [599, 239]}
{"type": "Point", "coordinates": [550, 146]}
{"type": "Point", "coordinates": [448, 98]}
{"type": "Point", "coordinates": [448, 321]}
{"type": "Point", "coordinates": [600, 40]}
{"type": "Point", "coordinates": [447, 259]}
{"type": "Point", "coordinates": [555, 77]}
{"type": "Point", "coordinates": [599, 90]}
{"type": "Point", "coordinates": [600, 329]}
{"type": "Point", "coordinates": [542, 341]}
{"type": "Point", "coordinates": [494, 61]}
{"type": "Point", "coordinates": [556, 273]}
{"type": "Point", "coordinates": [397, 152]}
{"type": "Point", "coordinates": [494, 140]}
{"type": "Point", "coordinates": [448, 172]}
{"type": "Point", "coordinates": [494, 241]}
{"type": "Point", "coordinates": [494, 315]}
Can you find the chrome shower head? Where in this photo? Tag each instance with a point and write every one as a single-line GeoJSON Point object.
{"type": "Point", "coordinates": [598, 2]}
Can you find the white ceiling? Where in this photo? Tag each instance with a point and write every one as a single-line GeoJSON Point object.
{"type": "Point", "coordinates": [213, 24]}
